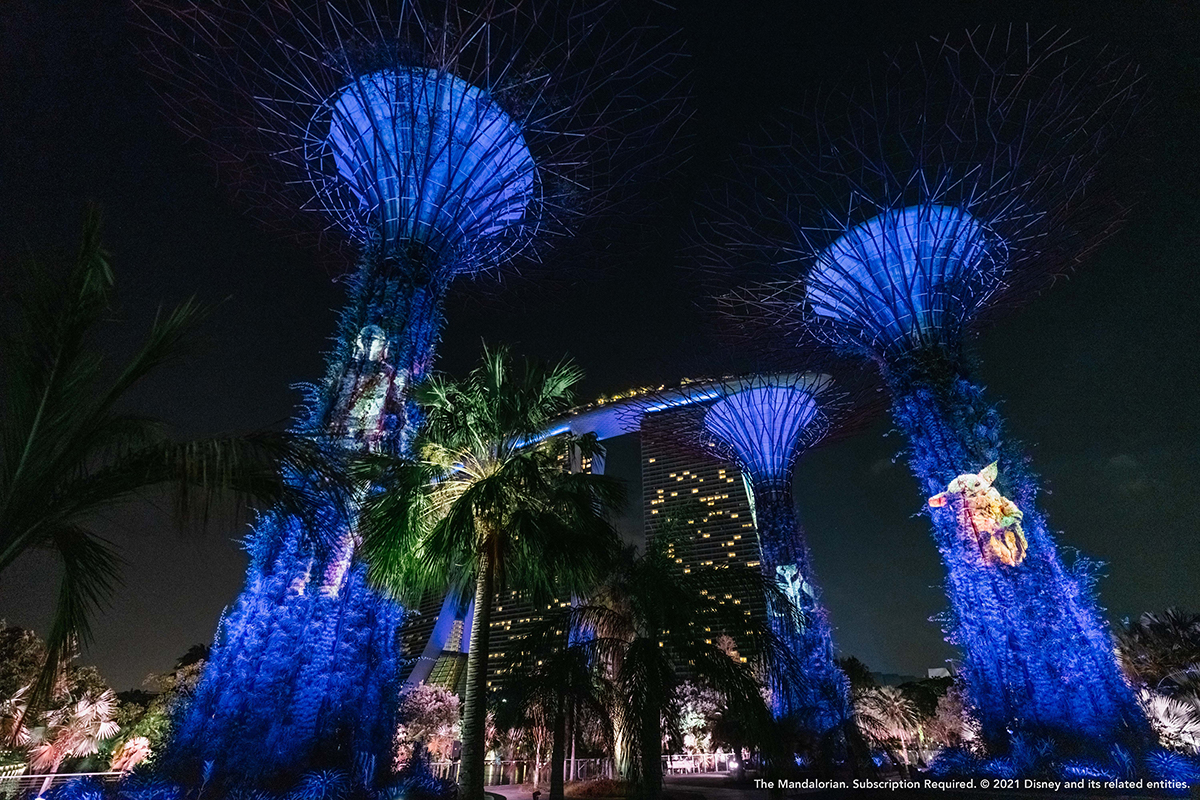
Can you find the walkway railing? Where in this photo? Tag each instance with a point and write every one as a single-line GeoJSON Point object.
{"type": "Point", "coordinates": [500, 773]}
{"type": "Point", "coordinates": [18, 786]}
{"type": "Point", "coordinates": [698, 762]}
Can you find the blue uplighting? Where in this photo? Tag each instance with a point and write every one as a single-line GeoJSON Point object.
{"type": "Point", "coordinates": [1037, 657]}
{"type": "Point", "coordinates": [763, 421]}
{"type": "Point", "coordinates": [903, 275]}
{"type": "Point", "coordinates": [432, 160]}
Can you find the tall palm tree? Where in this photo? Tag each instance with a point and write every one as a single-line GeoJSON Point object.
{"type": "Point", "coordinates": [488, 504]}
{"type": "Point", "coordinates": [651, 619]}
{"type": "Point", "coordinates": [68, 450]}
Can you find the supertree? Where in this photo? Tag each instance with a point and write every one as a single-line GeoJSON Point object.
{"type": "Point", "coordinates": [764, 423]}
{"type": "Point", "coordinates": [959, 185]}
{"type": "Point", "coordinates": [436, 140]}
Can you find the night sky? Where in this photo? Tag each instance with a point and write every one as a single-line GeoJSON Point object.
{"type": "Point", "coordinates": [1100, 377]}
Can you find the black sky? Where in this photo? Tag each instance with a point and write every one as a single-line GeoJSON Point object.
{"type": "Point", "coordinates": [1101, 376]}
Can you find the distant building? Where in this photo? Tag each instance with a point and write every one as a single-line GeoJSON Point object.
{"type": "Point", "coordinates": [708, 497]}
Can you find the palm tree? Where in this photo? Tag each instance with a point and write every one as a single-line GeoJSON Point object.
{"type": "Point", "coordinates": [650, 619]}
{"type": "Point", "coordinates": [1160, 653]}
{"type": "Point", "coordinates": [1157, 647]}
{"type": "Point", "coordinates": [887, 715]}
{"type": "Point", "coordinates": [68, 451]}
{"type": "Point", "coordinates": [77, 729]}
{"type": "Point", "coordinates": [556, 680]}
{"type": "Point", "coordinates": [488, 504]}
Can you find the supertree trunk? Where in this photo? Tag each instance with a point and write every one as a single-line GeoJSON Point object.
{"type": "Point", "coordinates": [822, 703]}
{"type": "Point", "coordinates": [1037, 655]}
{"type": "Point", "coordinates": [303, 672]}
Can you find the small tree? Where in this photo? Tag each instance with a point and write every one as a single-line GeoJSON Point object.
{"type": "Point", "coordinates": [951, 724]}
{"type": "Point", "coordinates": [429, 719]}
{"type": "Point", "coordinates": [1160, 654]}
{"type": "Point", "coordinates": [650, 617]}
{"type": "Point", "coordinates": [77, 729]}
{"type": "Point", "coordinates": [146, 717]}
{"type": "Point", "coordinates": [888, 717]}
{"type": "Point", "coordinates": [1158, 648]}
{"type": "Point", "coordinates": [558, 690]}
{"type": "Point", "coordinates": [701, 710]}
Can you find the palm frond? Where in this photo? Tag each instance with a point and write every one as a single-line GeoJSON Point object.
{"type": "Point", "coordinates": [66, 452]}
{"type": "Point", "coordinates": [89, 576]}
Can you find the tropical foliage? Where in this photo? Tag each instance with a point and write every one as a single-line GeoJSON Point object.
{"type": "Point", "coordinates": [1159, 650]}
{"type": "Point", "coordinates": [70, 449]}
{"type": "Point", "coordinates": [559, 695]}
{"type": "Point", "coordinates": [76, 729]}
{"type": "Point", "coordinates": [1160, 653]}
{"type": "Point", "coordinates": [487, 504]}
{"type": "Point", "coordinates": [889, 718]}
{"type": "Point", "coordinates": [650, 616]}
{"type": "Point", "coordinates": [84, 719]}
{"type": "Point", "coordinates": [147, 717]}
{"type": "Point", "coordinates": [74, 722]}
{"type": "Point", "coordinates": [429, 720]}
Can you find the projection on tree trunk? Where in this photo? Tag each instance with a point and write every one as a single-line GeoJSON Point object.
{"type": "Point", "coordinates": [988, 517]}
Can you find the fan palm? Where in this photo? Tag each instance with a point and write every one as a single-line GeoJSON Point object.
{"type": "Point", "coordinates": [68, 451]}
{"type": "Point", "coordinates": [76, 729]}
{"type": "Point", "coordinates": [887, 715]}
{"type": "Point", "coordinates": [1175, 720]}
{"type": "Point", "coordinates": [1158, 646]}
{"type": "Point", "coordinates": [488, 504]}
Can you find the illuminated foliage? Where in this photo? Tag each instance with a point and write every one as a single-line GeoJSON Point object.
{"type": "Point", "coordinates": [1038, 614]}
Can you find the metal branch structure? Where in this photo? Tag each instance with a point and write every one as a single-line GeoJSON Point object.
{"type": "Point", "coordinates": [764, 423]}
{"type": "Point", "coordinates": [436, 140]}
{"type": "Point", "coordinates": [960, 185]}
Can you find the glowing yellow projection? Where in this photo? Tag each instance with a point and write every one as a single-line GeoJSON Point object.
{"type": "Point", "coordinates": [995, 520]}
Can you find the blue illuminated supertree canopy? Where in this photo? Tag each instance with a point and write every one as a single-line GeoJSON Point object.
{"type": "Point", "coordinates": [764, 423]}
{"type": "Point", "coordinates": [430, 161]}
{"type": "Point", "coordinates": [955, 188]}
{"type": "Point", "coordinates": [903, 278]}
{"type": "Point", "coordinates": [435, 140]}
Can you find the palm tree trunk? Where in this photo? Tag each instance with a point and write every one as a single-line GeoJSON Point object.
{"type": "Point", "coordinates": [537, 763]}
{"type": "Point", "coordinates": [558, 753]}
{"type": "Point", "coordinates": [574, 737]}
{"type": "Point", "coordinates": [652, 777]}
{"type": "Point", "coordinates": [474, 728]}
